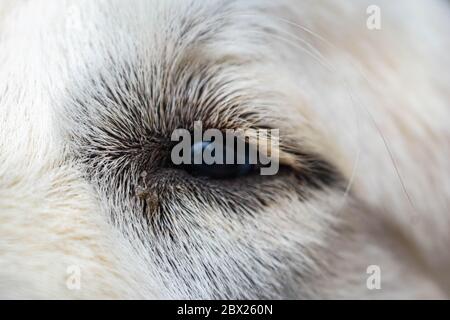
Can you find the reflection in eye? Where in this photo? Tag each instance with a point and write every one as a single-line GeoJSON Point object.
{"type": "Point", "coordinates": [216, 170]}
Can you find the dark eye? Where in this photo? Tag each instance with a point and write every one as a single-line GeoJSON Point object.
{"type": "Point", "coordinates": [217, 170]}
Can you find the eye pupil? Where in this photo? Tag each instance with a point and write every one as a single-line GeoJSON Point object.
{"type": "Point", "coordinates": [217, 170]}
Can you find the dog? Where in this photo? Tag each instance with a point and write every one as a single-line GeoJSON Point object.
{"type": "Point", "coordinates": [91, 207]}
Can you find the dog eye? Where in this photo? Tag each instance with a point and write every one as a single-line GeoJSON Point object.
{"type": "Point", "coordinates": [216, 170]}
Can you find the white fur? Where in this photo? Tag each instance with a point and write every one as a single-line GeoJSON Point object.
{"type": "Point", "coordinates": [375, 104]}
